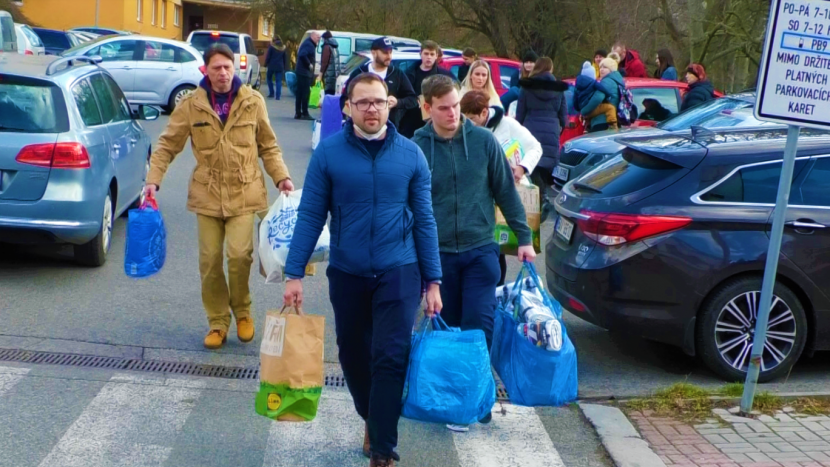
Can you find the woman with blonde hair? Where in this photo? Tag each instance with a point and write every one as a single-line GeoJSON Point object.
{"type": "Point", "coordinates": [481, 79]}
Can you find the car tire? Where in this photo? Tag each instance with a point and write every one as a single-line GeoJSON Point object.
{"type": "Point", "coordinates": [177, 95]}
{"type": "Point", "coordinates": [94, 252]}
{"type": "Point", "coordinates": [726, 329]}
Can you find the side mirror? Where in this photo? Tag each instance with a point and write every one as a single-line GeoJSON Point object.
{"type": "Point", "coordinates": [146, 112]}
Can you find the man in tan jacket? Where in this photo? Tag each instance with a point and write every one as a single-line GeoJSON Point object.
{"type": "Point", "coordinates": [228, 126]}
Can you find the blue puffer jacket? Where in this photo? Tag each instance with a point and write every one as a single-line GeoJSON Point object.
{"type": "Point", "coordinates": [381, 208]}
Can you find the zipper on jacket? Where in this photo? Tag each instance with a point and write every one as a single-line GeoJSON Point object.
{"type": "Point", "coordinates": [374, 208]}
{"type": "Point", "coordinates": [339, 224]}
{"type": "Point", "coordinates": [455, 186]}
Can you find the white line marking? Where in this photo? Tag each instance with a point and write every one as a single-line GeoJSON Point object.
{"type": "Point", "coordinates": [334, 437]}
{"type": "Point", "coordinates": [125, 425]}
{"type": "Point", "coordinates": [516, 439]}
{"type": "Point", "coordinates": [9, 377]}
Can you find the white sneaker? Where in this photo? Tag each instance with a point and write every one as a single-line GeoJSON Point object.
{"type": "Point", "coordinates": [458, 428]}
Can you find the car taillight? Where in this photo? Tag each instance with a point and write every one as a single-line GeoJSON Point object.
{"type": "Point", "coordinates": [616, 229]}
{"type": "Point", "coordinates": [243, 62]}
{"type": "Point", "coordinates": [55, 155]}
{"type": "Point", "coordinates": [28, 52]}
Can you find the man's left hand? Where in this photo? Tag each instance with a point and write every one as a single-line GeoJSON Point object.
{"type": "Point", "coordinates": [286, 186]}
{"type": "Point", "coordinates": [393, 101]}
{"type": "Point", "coordinates": [518, 173]}
{"type": "Point", "coordinates": [527, 253]}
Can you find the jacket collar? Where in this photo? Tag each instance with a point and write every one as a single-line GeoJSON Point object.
{"type": "Point", "coordinates": [351, 137]}
{"type": "Point", "coordinates": [244, 97]}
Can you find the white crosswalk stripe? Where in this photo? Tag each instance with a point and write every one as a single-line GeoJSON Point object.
{"type": "Point", "coordinates": [128, 424]}
{"type": "Point", "coordinates": [9, 377]}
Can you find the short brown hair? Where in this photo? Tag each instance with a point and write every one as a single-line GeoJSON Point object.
{"type": "Point", "coordinates": [431, 45]}
{"type": "Point", "coordinates": [218, 49]}
{"type": "Point", "coordinates": [367, 78]}
{"type": "Point", "coordinates": [437, 86]}
{"type": "Point", "coordinates": [469, 52]}
{"type": "Point", "coordinates": [475, 102]}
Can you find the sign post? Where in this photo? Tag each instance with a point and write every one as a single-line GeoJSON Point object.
{"type": "Point", "coordinates": [792, 86]}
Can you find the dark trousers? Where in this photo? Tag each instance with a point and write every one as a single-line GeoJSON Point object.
{"type": "Point", "coordinates": [271, 77]}
{"type": "Point", "coordinates": [468, 289]}
{"type": "Point", "coordinates": [302, 95]}
{"type": "Point", "coordinates": [373, 317]}
{"type": "Point", "coordinates": [503, 268]}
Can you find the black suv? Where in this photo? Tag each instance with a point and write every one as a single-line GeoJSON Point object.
{"type": "Point", "coordinates": [668, 239]}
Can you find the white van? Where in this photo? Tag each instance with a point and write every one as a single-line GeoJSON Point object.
{"type": "Point", "coordinates": [8, 36]}
{"type": "Point", "coordinates": [352, 42]}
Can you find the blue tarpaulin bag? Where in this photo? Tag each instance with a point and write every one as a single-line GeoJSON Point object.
{"type": "Point", "coordinates": [146, 240]}
{"type": "Point", "coordinates": [449, 378]}
{"type": "Point", "coordinates": [532, 375]}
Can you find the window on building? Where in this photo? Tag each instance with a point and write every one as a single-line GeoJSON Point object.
{"type": "Point", "coordinates": [140, 6]}
{"type": "Point", "coordinates": [177, 15]}
{"type": "Point", "coordinates": [266, 27]}
{"type": "Point", "coordinates": [163, 13]}
{"type": "Point", "coordinates": [155, 12]}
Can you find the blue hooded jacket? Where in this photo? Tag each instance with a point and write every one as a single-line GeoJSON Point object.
{"type": "Point", "coordinates": [381, 208]}
{"type": "Point", "coordinates": [587, 90]}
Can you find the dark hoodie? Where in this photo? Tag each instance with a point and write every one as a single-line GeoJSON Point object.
{"type": "Point", "coordinates": [398, 85]}
{"type": "Point", "coordinates": [470, 175]}
{"type": "Point", "coordinates": [412, 119]}
{"type": "Point", "coordinates": [222, 102]}
{"type": "Point", "coordinates": [543, 110]}
{"type": "Point", "coordinates": [698, 93]}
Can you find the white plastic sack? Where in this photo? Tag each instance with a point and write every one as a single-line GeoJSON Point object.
{"type": "Point", "coordinates": [316, 130]}
{"type": "Point", "coordinates": [511, 111]}
{"type": "Point", "coordinates": [276, 232]}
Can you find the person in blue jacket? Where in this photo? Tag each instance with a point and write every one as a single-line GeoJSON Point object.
{"type": "Point", "coordinates": [276, 62]}
{"type": "Point", "coordinates": [376, 185]}
{"type": "Point", "coordinates": [304, 69]}
{"type": "Point", "coordinates": [590, 101]}
{"type": "Point", "coordinates": [665, 66]}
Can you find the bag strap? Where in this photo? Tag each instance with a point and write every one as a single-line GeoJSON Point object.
{"type": "Point", "coordinates": [297, 309]}
{"type": "Point", "coordinates": [150, 201]}
{"type": "Point", "coordinates": [545, 296]}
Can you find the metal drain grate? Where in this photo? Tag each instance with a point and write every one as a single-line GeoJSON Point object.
{"type": "Point", "coordinates": [334, 380]}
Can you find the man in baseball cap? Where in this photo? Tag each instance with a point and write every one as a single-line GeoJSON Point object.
{"type": "Point", "coordinates": [401, 94]}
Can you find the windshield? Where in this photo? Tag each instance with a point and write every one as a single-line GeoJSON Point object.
{"type": "Point", "coordinates": [700, 115]}
{"type": "Point", "coordinates": [354, 62]}
{"type": "Point", "coordinates": [31, 106]}
{"type": "Point", "coordinates": [203, 41]}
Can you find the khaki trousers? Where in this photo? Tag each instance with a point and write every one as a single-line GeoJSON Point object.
{"type": "Point", "coordinates": [219, 295]}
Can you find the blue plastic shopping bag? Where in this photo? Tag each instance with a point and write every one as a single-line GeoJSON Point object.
{"type": "Point", "coordinates": [146, 240]}
{"type": "Point", "coordinates": [449, 378]}
{"type": "Point", "coordinates": [533, 375]}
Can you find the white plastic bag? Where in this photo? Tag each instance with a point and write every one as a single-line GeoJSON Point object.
{"type": "Point", "coordinates": [316, 130]}
{"type": "Point", "coordinates": [276, 232]}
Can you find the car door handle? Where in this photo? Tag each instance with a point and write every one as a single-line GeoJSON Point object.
{"type": "Point", "coordinates": [806, 224]}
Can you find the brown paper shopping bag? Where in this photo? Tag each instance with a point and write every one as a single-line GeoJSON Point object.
{"type": "Point", "coordinates": [507, 240]}
{"type": "Point", "coordinates": [291, 366]}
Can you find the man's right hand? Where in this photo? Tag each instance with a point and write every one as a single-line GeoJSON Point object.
{"type": "Point", "coordinates": [293, 295]}
{"type": "Point", "coordinates": [150, 190]}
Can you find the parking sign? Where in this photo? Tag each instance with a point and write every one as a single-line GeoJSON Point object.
{"type": "Point", "coordinates": [793, 86]}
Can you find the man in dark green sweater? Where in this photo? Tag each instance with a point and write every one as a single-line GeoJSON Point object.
{"type": "Point", "coordinates": [470, 176]}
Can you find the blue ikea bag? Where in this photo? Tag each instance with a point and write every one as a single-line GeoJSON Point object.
{"type": "Point", "coordinates": [449, 378]}
{"type": "Point", "coordinates": [146, 240]}
{"type": "Point", "coordinates": [533, 376]}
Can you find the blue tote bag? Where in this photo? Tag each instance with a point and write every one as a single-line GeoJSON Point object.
{"type": "Point", "coordinates": [146, 240]}
{"type": "Point", "coordinates": [449, 378]}
{"type": "Point", "coordinates": [532, 375]}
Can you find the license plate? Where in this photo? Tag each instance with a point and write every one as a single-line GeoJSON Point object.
{"type": "Point", "coordinates": [561, 173]}
{"type": "Point", "coordinates": [564, 228]}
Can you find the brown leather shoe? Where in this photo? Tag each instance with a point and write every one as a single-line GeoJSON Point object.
{"type": "Point", "coordinates": [367, 446]}
{"type": "Point", "coordinates": [215, 339]}
{"type": "Point", "coordinates": [245, 329]}
{"type": "Point", "coordinates": [380, 461]}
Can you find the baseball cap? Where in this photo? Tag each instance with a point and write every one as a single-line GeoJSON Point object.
{"type": "Point", "coordinates": [382, 43]}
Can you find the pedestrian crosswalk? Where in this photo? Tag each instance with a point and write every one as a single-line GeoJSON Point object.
{"type": "Point", "coordinates": [130, 420]}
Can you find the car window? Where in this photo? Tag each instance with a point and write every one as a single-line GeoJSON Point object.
{"type": "Point", "coordinates": [32, 37]}
{"type": "Point", "coordinates": [755, 184]}
{"type": "Point", "coordinates": [55, 40]}
{"type": "Point", "coordinates": [667, 97]}
{"type": "Point", "coordinates": [699, 113]}
{"type": "Point", "coordinates": [507, 73]}
{"type": "Point", "coordinates": [110, 111]}
{"type": "Point", "coordinates": [120, 99]}
{"type": "Point", "coordinates": [184, 56]}
{"type": "Point", "coordinates": [159, 52]}
{"type": "Point", "coordinates": [354, 62]}
{"type": "Point", "coordinates": [362, 45]}
{"type": "Point", "coordinates": [814, 190]}
{"type": "Point", "coordinates": [250, 48]}
{"type": "Point", "coordinates": [116, 51]}
{"type": "Point", "coordinates": [85, 101]}
{"type": "Point", "coordinates": [344, 46]}
{"type": "Point", "coordinates": [7, 34]}
{"type": "Point", "coordinates": [404, 65]}
{"type": "Point", "coordinates": [31, 106]}
{"type": "Point", "coordinates": [203, 41]}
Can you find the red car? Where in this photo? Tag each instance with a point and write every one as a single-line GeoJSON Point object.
{"type": "Point", "coordinates": [502, 70]}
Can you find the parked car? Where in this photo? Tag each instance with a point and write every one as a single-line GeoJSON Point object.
{"type": "Point", "coordinates": [102, 31]}
{"type": "Point", "coordinates": [245, 53]}
{"type": "Point", "coordinates": [72, 155]}
{"type": "Point", "coordinates": [668, 241]}
{"type": "Point", "coordinates": [28, 43]}
{"type": "Point", "coordinates": [584, 152]}
{"type": "Point", "coordinates": [8, 36]}
{"type": "Point", "coordinates": [85, 36]}
{"type": "Point", "coordinates": [150, 70]}
{"type": "Point", "coordinates": [56, 41]}
{"type": "Point", "coordinates": [349, 43]}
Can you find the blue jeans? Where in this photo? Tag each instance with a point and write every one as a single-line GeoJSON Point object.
{"type": "Point", "coordinates": [271, 77]}
{"type": "Point", "coordinates": [509, 97]}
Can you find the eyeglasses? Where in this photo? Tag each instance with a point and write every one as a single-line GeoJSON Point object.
{"type": "Point", "coordinates": [363, 106]}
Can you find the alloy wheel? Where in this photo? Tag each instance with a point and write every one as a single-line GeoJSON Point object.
{"type": "Point", "coordinates": [106, 224]}
{"type": "Point", "coordinates": [181, 95]}
{"type": "Point", "coordinates": [735, 331]}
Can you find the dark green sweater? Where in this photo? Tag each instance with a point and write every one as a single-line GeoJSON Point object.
{"type": "Point", "coordinates": [470, 176]}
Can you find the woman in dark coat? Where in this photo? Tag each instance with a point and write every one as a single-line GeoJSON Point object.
{"type": "Point", "coordinates": [543, 110]}
{"type": "Point", "coordinates": [700, 89]}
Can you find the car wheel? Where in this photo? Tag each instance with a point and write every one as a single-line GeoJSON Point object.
{"type": "Point", "coordinates": [177, 95]}
{"type": "Point", "coordinates": [726, 330]}
{"type": "Point", "coordinates": [94, 252]}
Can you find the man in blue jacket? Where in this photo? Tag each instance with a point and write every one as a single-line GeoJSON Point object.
{"type": "Point", "coordinates": [384, 246]}
{"type": "Point", "coordinates": [306, 57]}
{"type": "Point", "coordinates": [470, 176]}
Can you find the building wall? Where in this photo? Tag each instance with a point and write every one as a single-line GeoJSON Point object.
{"type": "Point", "coordinates": [163, 27]}
{"type": "Point", "coordinates": [64, 14]}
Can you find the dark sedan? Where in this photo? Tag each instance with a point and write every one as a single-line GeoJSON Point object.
{"type": "Point", "coordinates": [668, 239]}
{"type": "Point", "coordinates": [56, 41]}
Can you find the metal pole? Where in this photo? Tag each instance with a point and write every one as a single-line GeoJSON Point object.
{"type": "Point", "coordinates": [97, 10]}
{"type": "Point", "coordinates": [771, 268]}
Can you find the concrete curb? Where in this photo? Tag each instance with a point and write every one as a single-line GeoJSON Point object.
{"type": "Point", "coordinates": [619, 437]}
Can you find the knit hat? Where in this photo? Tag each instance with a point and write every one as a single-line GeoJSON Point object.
{"type": "Point", "coordinates": [530, 56]}
{"type": "Point", "coordinates": [609, 63]}
{"type": "Point", "coordinates": [588, 70]}
{"type": "Point", "coordinates": [697, 70]}
{"type": "Point", "coordinates": [327, 35]}
{"type": "Point", "coordinates": [615, 56]}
